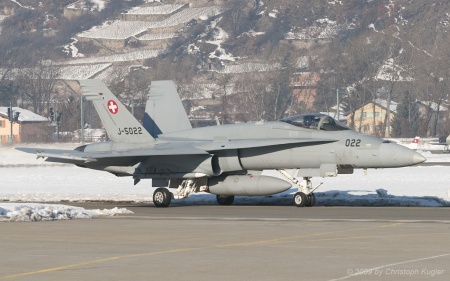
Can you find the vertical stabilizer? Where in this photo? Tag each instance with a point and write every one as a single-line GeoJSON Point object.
{"type": "Point", "coordinates": [119, 123]}
{"type": "Point", "coordinates": [164, 112]}
{"type": "Point", "coordinates": [415, 143]}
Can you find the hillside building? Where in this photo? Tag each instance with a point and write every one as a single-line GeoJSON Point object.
{"type": "Point", "coordinates": [370, 118]}
{"type": "Point", "coordinates": [30, 127]}
{"type": "Point", "coordinates": [437, 116]}
{"type": "Point", "coordinates": [304, 85]}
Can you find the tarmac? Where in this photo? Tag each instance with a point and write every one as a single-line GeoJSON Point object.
{"type": "Point", "coordinates": [232, 243]}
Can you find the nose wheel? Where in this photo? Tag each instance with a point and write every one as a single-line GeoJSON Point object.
{"type": "Point", "coordinates": [305, 196]}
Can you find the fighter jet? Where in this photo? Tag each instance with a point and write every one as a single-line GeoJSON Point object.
{"type": "Point", "coordinates": [224, 160]}
{"type": "Point", "coordinates": [444, 141]}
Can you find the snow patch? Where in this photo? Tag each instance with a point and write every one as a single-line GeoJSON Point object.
{"type": "Point", "coordinates": [250, 67]}
{"type": "Point", "coordinates": [91, 5]}
{"type": "Point", "coordinates": [131, 56]}
{"type": "Point", "coordinates": [49, 212]}
{"type": "Point", "coordinates": [390, 71]}
{"type": "Point", "coordinates": [325, 29]}
{"type": "Point", "coordinates": [274, 13]}
{"type": "Point", "coordinates": [219, 36]}
{"type": "Point", "coordinates": [26, 7]}
{"type": "Point", "coordinates": [156, 10]}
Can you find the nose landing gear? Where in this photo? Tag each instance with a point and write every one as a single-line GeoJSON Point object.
{"type": "Point", "coordinates": [305, 196]}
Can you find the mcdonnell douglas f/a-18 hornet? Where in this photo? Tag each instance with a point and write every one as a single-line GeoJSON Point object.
{"type": "Point", "coordinates": [225, 160]}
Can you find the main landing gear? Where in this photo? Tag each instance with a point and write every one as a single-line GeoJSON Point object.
{"type": "Point", "coordinates": [162, 197]}
{"type": "Point", "coordinates": [305, 196]}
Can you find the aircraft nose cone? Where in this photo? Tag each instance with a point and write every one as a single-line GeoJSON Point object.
{"type": "Point", "coordinates": [418, 158]}
{"type": "Point", "coordinates": [394, 155]}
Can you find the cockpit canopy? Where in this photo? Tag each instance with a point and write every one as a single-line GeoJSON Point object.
{"type": "Point", "coordinates": [316, 121]}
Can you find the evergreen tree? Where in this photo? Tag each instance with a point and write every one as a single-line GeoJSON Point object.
{"type": "Point", "coordinates": [406, 120]}
{"type": "Point", "coordinates": [6, 93]}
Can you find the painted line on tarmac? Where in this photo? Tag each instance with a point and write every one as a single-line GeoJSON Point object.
{"type": "Point", "coordinates": [48, 270]}
{"type": "Point", "coordinates": [378, 236]}
{"type": "Point", "coordinates": [295, 237]}
{"type": "Point", "coordinates": [95, 262]}
{"type": "Point", "coordinates": [279, 219]}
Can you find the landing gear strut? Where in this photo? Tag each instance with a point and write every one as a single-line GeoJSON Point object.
{"type": "Point", "coordinates": [305, 196]}
{"type": "Point", "coordinates": [162, 197]}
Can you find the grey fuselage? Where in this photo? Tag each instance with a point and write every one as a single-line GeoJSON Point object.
{"type": "Point", "coordinates": [347, 148]}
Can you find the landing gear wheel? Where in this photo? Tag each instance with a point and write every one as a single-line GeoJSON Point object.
{"type": "Point", "coordinates": [300, 199]}
{"type": "Point", "coordinates": [162, 197]}
{"type": "Point", "coordinates": [225, 200]}
{"type": "Point", "coordinates": [310, 200]}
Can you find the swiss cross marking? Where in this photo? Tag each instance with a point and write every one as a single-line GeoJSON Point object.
{"type": "Point", "coordinates": [112, 107]}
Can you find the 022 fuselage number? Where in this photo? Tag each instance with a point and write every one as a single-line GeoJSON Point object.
{"type": "Point", "coordinates": [130, 131]}
{"type": "Point", "coordinates": [352, 142]}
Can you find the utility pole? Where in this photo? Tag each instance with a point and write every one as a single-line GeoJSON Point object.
{"type": "Point", "coordinates": [337, 104]}
{"type": "Point", "coordinates": [82, 121]}
{"type": "Point", "coordinates": [56, 115]}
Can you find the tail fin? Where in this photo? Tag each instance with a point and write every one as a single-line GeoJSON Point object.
{"type": "Point", "coordinates": [164, 112]}
{"type": "Point", "coordinates": [120, 125]}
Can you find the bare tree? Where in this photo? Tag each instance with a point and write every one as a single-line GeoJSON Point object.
{"type": "Point", "coordinates": [38, 84]}
{"type": "Point", "coordinates": [251, 96]}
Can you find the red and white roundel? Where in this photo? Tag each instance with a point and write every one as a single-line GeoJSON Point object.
{"type": "Point", "coordinates": [112, 107]}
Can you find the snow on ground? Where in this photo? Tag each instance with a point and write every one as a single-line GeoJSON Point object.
{"type": "Point", "coordinates": [121, 29]}
{"type": "Point", "coordinates": [108, 75]}
{"type": "Point", "coordinates": [47, 212]}
{"type": "Point", "coordinates": [249, 67]}
{"type": "Point", "coordinates": [72, 50]}
{"type": "Point", "coordinates": [130, 56]}
{"type": "Point", "coordinates": [79, 72]}
{"type": "Point", "coordinates": [118, 30]}
{"type": "Point", "coordinates": [158, 36]}
{"type": "Point", "coordinates": [17, 2]}
{"type": "Point", "coordinates": [156, 10]}
{"type": "Point", "coordinates": [187, 15]}
{"type": "Point", "coordinates": [27, 179]}
{"type": "Point", "coordinates": [327, 30]}
{"type": "Point", "coordinates": [95, 5]}
{"type": "Point", "coordinates": [218, 38]}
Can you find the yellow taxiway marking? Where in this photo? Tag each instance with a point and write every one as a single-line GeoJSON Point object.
{"type": "Point", "coordinates": [96, 261]}
{"type": "Point", "coordinates": [275, 240]}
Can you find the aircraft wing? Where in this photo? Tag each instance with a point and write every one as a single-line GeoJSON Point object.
{"type": "Point", "coordinates": [80, 157]}
{"type": "Point", "coordinates": [66, 156]}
